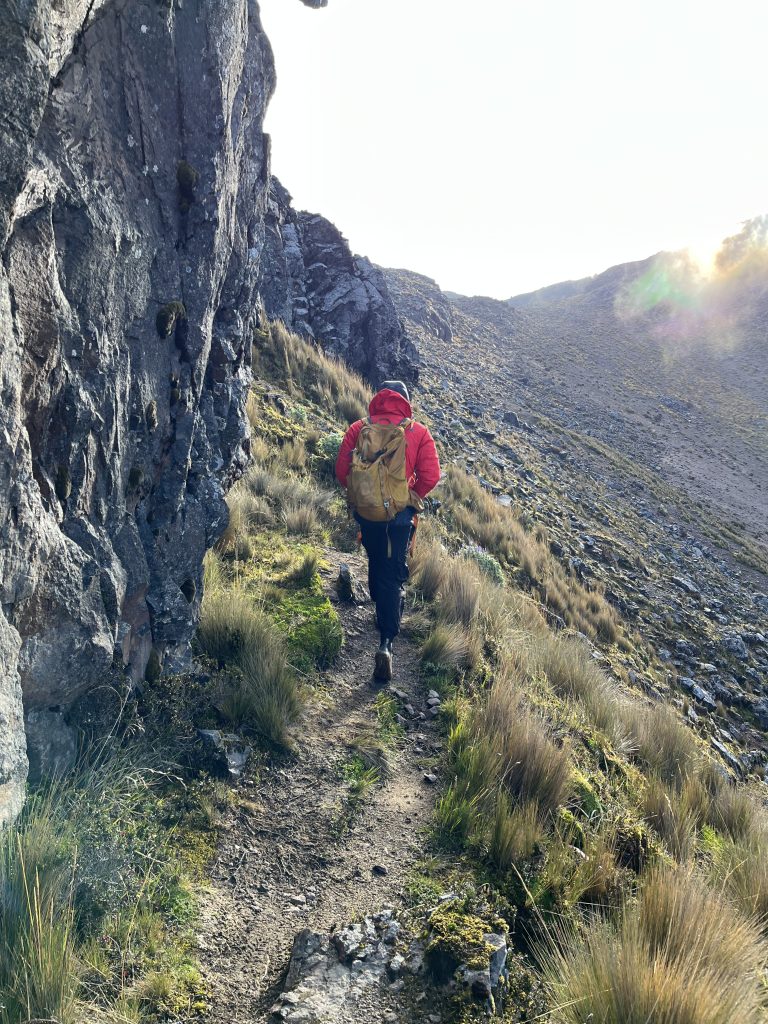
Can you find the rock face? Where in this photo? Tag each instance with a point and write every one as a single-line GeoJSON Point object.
{"type": "Point", "coordinates": [311, 281]}
{"type": "Point", "coordinates": [133, 186]}
{"type": "Point", "coordinates": [135, 204]}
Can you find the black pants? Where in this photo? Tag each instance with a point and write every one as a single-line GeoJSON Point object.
{"type": "Point", "coordinates": [386, 545]}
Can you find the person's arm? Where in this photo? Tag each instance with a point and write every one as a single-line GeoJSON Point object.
{"type": "Point", "coordinates": [344, 458]}
{"type": "Point", "coordinates": [427, 466]}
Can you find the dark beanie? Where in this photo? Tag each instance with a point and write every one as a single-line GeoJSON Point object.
{"type": "Point", "coordinates": [395, 385]}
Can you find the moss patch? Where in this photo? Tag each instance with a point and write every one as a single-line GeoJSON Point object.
{"type": "Point", "coordinates": [168, 316]}
{"type": "Point", "coordinates": [456, 938]}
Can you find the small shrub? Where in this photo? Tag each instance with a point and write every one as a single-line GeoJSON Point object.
{"type": "Point", "coordinates": [485, 561]}
{"type": "Point", "coordinates": [328, 447]}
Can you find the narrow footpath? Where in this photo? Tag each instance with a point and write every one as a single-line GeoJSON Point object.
{"type": "Point", "coordinates": [295, 853]}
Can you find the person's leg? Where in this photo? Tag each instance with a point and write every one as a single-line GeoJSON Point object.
{"type": "Point", "coordinates": [393, 574]}
{"type": "Point", "coordinates": [374, 540]}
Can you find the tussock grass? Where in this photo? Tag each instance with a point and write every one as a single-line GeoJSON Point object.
{"type": "Point", "coordinates": [673, 817]}
{"type": "Point", "coordinates": [93, 891]}
{"type": "Point", "coordinates": [428, 567]}
{"type": "Point", "coordinates": [305, 570]}
{"type": "Point", "coordinates": [283, 489]}
{"type": "Point", "coordinates": [260, 691]}
{"type": "Point", "coordinates": [300, 519]}
{"type": "Point", "coordinates": [684, 956]}
{"type": "Point", "coordinates": [38, 966]}
{"type": "Point", "coordinates": [294, 454]}
{"type": "Point", "coordinates": [572, 673]}
{"type": "Point", "coordinates": [480, 519]}
{"type": "Point", "coordinates": [661, 742]}
{"type": "Point", "coordinates": [450, 647]}
{"type": "Point", "coordinates": [740, 866]}
{"type": "Point", "coordinates": [516, 831]}
{"type": "Point", "coordinates": [300, 367]}
{"type": "Point", "coordinates": [528, 764]}
{"type": "Point", "coordinates": [459, 592]}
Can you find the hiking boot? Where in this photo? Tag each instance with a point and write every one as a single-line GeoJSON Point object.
{"type": "Point", "coordinates": [382, 670]}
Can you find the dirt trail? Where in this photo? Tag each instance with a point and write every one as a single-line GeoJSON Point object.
{"type": "Point", "coordinates": [287, 843]}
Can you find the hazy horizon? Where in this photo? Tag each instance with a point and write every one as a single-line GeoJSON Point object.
{"type": "Point", "coordinates": [506, 148]}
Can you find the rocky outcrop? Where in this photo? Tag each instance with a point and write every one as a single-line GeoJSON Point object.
{"type": "Point", "coordinates": [132, 197]}
{"type": "Point", "coordinates": [426, 310]}
{"type": "Point", "coordinates": [310, 280]}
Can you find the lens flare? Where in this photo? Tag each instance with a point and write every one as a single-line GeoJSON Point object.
{"type": "Point", "coordinates": [702, 296]}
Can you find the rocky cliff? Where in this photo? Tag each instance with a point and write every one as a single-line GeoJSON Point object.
{"type": "Point", "coordinates": [310, 279]}
{"type": "Point", "coordinates": [134, 201]}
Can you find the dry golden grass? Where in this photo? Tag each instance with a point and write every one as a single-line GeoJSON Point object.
{"type": "Point", "coordinates": [685, 956]}
{"type": "Point", "coordinates": [480, 519]}
{"type": "Point", "coordinates": [299, 366]}
{"type": "Point", "coordinates": [428, 567]}
{"type": "Point", "coordinates": [661, 742]}
{"type": "Point", "coordinates": [450, 647]}
{"type": "Point", "coordinates": [740, 866]}
{"type": "Point", "coordinates": [515, 751]}
{"type": "Point", "coordinates": [459, 592]}
{"type": "Point", "coordinates": [300, 519]}
{"type": "Point", "coordinates": [294, 454]}
{"type": "Point", "coordinates": [573, 674]}
{"type": "Point", "coordinates": [672, 817]}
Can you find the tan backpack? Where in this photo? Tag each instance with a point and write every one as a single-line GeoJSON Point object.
{"type": "Point", "coordinates": [377, 486]}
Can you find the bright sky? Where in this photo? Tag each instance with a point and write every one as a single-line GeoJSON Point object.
{"type": "Point", "coordinates": [502, 145]}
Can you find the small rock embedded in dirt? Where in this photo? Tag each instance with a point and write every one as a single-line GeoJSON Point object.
{"type": "Point", "coordinates": [430, 777]}
{"type": "Point", "coordinates": [298, 900]}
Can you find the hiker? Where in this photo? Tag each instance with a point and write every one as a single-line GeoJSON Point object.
{"type": "Point", "coordinates": [389, 464]}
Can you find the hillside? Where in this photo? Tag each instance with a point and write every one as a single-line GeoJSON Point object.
{"type": "Point", "coordinates": [558, 809]}
{"type": "Point", "coordinates": [679, 569]}
{"type": "Point", "coordinates": [667, 368]}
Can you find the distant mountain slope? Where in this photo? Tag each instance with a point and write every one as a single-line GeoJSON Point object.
{"type": "Point", "coordinates": [668, 367]}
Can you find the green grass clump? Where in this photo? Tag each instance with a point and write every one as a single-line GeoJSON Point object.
{"type": "Point", "coordinates": [260, 690]}
{"type": "Point", "coordinates": [96, 904]}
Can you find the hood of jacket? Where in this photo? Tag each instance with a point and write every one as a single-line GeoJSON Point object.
{"type": "Point", "coordinates": [390, 405]}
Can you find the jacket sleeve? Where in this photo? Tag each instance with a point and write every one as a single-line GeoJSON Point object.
{"type": "Point", "coordinates": [344, 458]}
{"type": "Point", "coordinates": [427, 467]}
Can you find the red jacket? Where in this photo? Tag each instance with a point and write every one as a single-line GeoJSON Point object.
{"type": "Point", "coordinates": [421, 462]}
